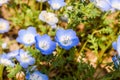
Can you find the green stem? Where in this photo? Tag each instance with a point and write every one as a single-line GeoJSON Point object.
{"type": "Point", "coordinates": [41, 4]}
{"type": "Point", "coordinates": [83, 47]}
{"type": "Point", "coordinates": [1, 72]}
{"type": "Point", "coordinates": [86, 42]}
{"type": "Point", "coordinates": [102, 53]}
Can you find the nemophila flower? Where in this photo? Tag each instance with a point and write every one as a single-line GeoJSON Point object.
{"type": "Point", "coordinates": [13, 54]}
{"type": "Point", "coordinates": [48, 17]}
{"type": "Point", "coordinates": [36, 76]}
{"type": "Point", "coordinates": [66, 38]}
{"type": "Point", "coordinates": [25, 59]}
{"type": "Point", "coordinates": [56, 4]}
{"type": "Point", "coordinates": [115, 61]}
{"type": "Point", "coordinates": [4, 25]}
{"type": "Point", "coordinates": [116, 45]}
{"type": "Point", "coordinates": [107, 5]}
{"type": "Point", "coordinates": [115, 4]}
{"type": "Point", "coordinates": [27, 37]}
{"type": "Point", "coordinates": [41, 0]}
{"type": "Point", "coordinates": [45, 44]}
{"type": "Point", "coordinates": [4, 60]}
{"type": "Point", "coordinates": [3, 2]}
{"type": "Point", "coordinates": [104, 5]}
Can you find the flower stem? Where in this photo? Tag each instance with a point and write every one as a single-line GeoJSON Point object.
{"type": "Point", "coordinates": [41, 4]}
{"type": "Point", "coordinates": [1, 72]}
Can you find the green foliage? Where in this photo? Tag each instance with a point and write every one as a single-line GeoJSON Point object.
{"type": "Point", "coordinates": [13, 71]}
{"type": "Point", "coordinates": [97, 35]}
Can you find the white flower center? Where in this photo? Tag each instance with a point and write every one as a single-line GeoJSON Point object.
{"type": "Point", "coordinates": [5, 62]}
{"type": "Point", "coordinates": [28, 38]}
{"type": "Point", "coordinates": [44, 45]}
{"type": "Point", "coordinates": [49, 17]}
{"type": "Point", "coordinates": [66, 40]}
{"type": "Point", "coordinates": [24, 57]}
{"type": "Point", "coordinates": [2, 26]}
{"type": "Point", "coordinates": [56, 5]}
{"type": "Point", "coordinates": [35, 77]}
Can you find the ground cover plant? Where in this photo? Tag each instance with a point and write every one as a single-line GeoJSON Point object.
{"type": "Point", "coordinates": [59, 39]}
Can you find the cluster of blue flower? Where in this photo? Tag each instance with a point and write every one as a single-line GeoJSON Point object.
{"type": "Point", "coordinates": [65, 39]}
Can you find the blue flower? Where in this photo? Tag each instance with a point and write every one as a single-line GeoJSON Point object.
{"type": "Point", "coordinates": [115, 4]}
{"type": "Point", "coordinates": [115, 61]}
{"type": "Point", "coordinates": [15, 53]}
{"type": "Point", "coordinates": [107, 5]}
{"type": "Point", "coordinates": [36, 76]}
{"type": "Point", "coordinates": [25, 59]}
{"type": "Point", "coordinates": [3, 2]}
{"type": "Point", "coordinates": [45, 44]}
{"type": "Point", "coordinates": [116, 45]}
{"type": "Point", "coordinates": [4, 25]}
{"type": "Point", "coordinates": [27, 37]}
{"type": "Point", "coordinates": [4, 60]}
{"type": "Point", "coordinates": [56, 4]}
{"type": "Point", "coordinates": [66, 38]}
{"type": "Point", "coordinates": [48, 17]}
{"type": "Point", "coordinates": [104, 5]}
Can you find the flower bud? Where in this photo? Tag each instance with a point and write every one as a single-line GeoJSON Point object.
{"type": "Point", "coordinates": [20, 76]}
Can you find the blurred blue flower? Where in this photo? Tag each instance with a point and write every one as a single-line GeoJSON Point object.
{"type": "Point", "coordinates": [27, 37]}
{"type": "Point", "coordinates": [36, 76]}
{"type": "Point", "coordinates": [115, 4]}
{"type": "Point", "coordinates": [104, 5]}
{"type": "Point", "coordinates": [56, 4]}
{"type": "Point", "coordinates": [15, 53]}
{"type": "Point", "coordinates": [4, 60]}
{"type": "Point", "coordinates": [66, 38]}
{"type": "Point", "coordinates": [48, 17]}
{"type": "Point", "coordinates": [41, 0]}
{"type": "Point", "coordinates": [115, 61]}
{"type": "Point", "coordinates": [45, 44]}
{"type": "Point", "coordinates": [25, 59]}
{"type": "Point", "coordinates": [3, 2]}
{"type": "Point", "coordinates": [107, 5]}
{"type": "Point", "coordinates": [116, 45]}
{"type": "Point", "coordinates": [4, 25]}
